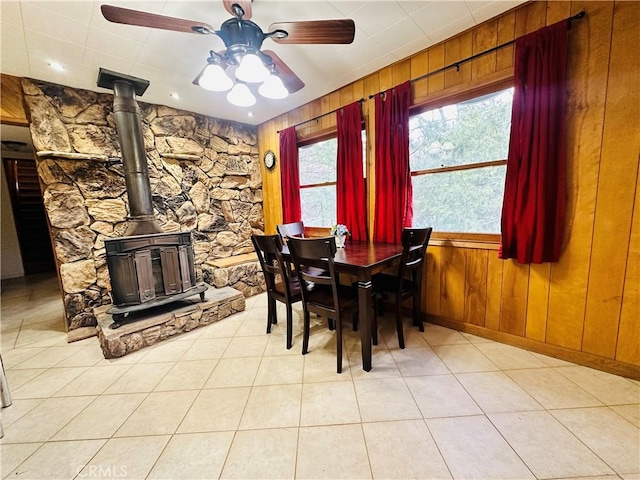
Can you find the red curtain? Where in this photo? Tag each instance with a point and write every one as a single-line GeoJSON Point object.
{"type": "Point", "coordinates": [533, 209]}
{"type": "Point", "coordinates": [350, 195]}
{"type": "Point", "coordinates": [394, 197]}
{"type": "Point", "coordinates": [290, 176]}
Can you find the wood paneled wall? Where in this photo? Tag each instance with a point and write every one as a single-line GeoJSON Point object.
{"type": "Point", "coordinates": [12, 111]}
{"type": "Point", "coordinates": [586, 307]}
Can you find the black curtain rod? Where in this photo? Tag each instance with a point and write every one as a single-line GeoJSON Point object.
{"type": "Point", "coordinates": [318, 117]}
{"type": "Point", "coordinates": [457, 64]}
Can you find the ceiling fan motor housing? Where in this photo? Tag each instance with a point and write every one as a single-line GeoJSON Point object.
{"type": "Point", "coordinates": [239, 36]}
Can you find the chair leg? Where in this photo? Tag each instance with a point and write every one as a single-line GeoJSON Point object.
{"type": "Point", "coordinates": [374, 326]}
{"type": "Point", "coordinates": [289, 326]}
{"type": "Point", "coordinates": [305, 333]}
{"type": "Point", "coordinates": [332, 325]}
{"type": "Point", "coordinates": [354, 318]}
{"type": "Point", "coordinates": [399, 322]}
{"type": "Point", "coordinates": [271, 314]}
{"type": "Point", "coordinates": [417, 320]}
{"type": "Point", "coordinates": [339, 345]}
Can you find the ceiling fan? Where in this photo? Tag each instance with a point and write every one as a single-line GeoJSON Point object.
{"type": "Point", "coordinates": [243, 41]}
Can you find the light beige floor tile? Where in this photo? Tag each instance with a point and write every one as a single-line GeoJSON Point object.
{"type": "Point", "coordinates": [474, 338]}
{"type": "Point", "coordinates": [86, 356]}
{"type": "Point", "coordinates": [403, 449]}
{"type": "Point", "coordinates": [385, 399]}
{"type": "Point", "coordinates": [216, 409]}
{"type": "Point", "coordinates": [464, 358]}
{"type": "Point", "coordinates": [47, 383]}
{"type": "Point", "coordinates": [207, 349]}
{"type": "Point", "coordinates": [272, 407]}
{"type": "Point", "coordinates": [101, 418]}
{"type": "Point", "coordinates": [383, 364]}
{"type": "Point", "coordinates": [253, 327]}
{"type": "Point", "coordinates": [441, 396]}
{"type": "Point", "coordinates": [331, 452]}
{"type": "Point", "coordinates": [94, 381]}
{"type": "Point", "coordinates": [437, 335]}
{"type": "Point", "coordinates": [167, 351]}
{"type": "Point", "coordinates": [193, 456]}
{"type": "Point", "coordinates": [13, 358]}
{"type": "Point", "coordinates": [413, 338]}
{"type": "Point", "coordinates": [543, 444]}
{"type": "Point", "coordinates": [159, 414]}
{"type": "Point", "coordinates": [551, 361]}
{"type": "Point", "coordinates": [612, 438]}
{"type": "Point", "coordinates": [495, 392]}
{"type": "Point", "coordinates": [16, 378]}
{"type": "Point", "coordinates": [246, 347]}
{"type": "Point", "coordinates": [128, 359]}
{"type": "Point", "coordinates": [280, 370]}
{"type": "Point", "coordinates": [321, 367]}
{"type": "Point", "coordinates": [234, 372]}
{"type": "Point", "coordinates": [45, 420]}
{"type": "Point", "coordinates": [329, 404]}
{"type": "Point", "coordinates": [225, 328]}
{"type": "Point", "coordinates": [49, 358]}
{"type": "Point", "coordinates": [277, 345]}
{"type": "Point", "coordinates": [57, 460]}
{"type": "Point", "coordinates": [18, 409]}
{"type": "Point", "coordinates": [473, 448]}
{"type": "Point", "coordinates": [125, 458]}
{"type": "Point", "coordinates": [418, 361]}
{"type": "Point", "coordinates": [262, 454]}
{"type": "Point", "coordinates": [140, 378]}
{"type": "Point", "coordinates": [630, 412]}
{"type": "Point", "coordinates": [507, 357]}
{"type": "Point", "coordinates": [630, 476]}
{"type": "Point", "coordinates": [13, 455]}
{"type": "Point", "coordinates": [187, 376]}
{"type": "Point", "coordinates": [551, 389]}
{"type": "Point", "coordinates": [608, 388]}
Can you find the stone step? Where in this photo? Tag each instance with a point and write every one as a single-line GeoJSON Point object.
{"type": "Point", "coordinates": [148, 327]}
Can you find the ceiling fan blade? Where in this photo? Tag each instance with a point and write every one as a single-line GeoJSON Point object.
{"type": "Point", "coordinates": [151, 20]}
{"type": "Point", "coordinates": [245, 4]}
{"type": "Point", "coordinates": [316, 31]}
{"type": "Point", "coordinates": [291, 81]}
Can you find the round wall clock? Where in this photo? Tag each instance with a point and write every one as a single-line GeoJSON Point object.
{"type": "Point", "coordinates": [269, 159]}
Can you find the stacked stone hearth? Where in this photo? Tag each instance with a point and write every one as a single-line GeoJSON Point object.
{"type": "Point", "coordinates": [205, 179]}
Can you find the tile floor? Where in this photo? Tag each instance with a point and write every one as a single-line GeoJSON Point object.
{"type": "Point", "coordinates": [229, 401]}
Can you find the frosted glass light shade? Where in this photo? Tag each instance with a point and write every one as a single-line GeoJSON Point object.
{"type": "Point", "coordinates": [241, 96]}
{"type": "Point", "coordinates": [251, 69]}
{"type": "Point", "coordinates": [273, 88]}
{"type": "Point", "coordinates": [215, 79]}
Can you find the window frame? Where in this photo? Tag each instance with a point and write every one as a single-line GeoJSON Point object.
{"type": "Point", "coordinates": [466, 239]}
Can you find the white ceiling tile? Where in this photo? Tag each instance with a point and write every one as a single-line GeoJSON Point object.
{"type": "Point", "coordinates": [96, 59]}
{"type": "Point", "coordinates": [346, 7]}
{"type": "Point", "coordinates": [46, 22]}
{"type": "Point", "coordinates": [70, 76]}
{"type": "Point", "coordinates": [10, 12]}
{"type": "Point", "coordinates": [11, 37]}
{"type": "Point", "coordinates": [15, 61]}
{"type": "Point", "coordinates": [413, 47]}
{"type": "Point", "coordinates": [78, 11]}
{"type": "Point", "coordinates": [399, 34]}
{"type": "Point", "coordinates": [436, 15]}
{"type": "Point", "coordinates": [374, 17]}
{"type": "Point", "coordinates": [411, 6]}
{"type": "Point", "coordinates": [135, 33]}
{"type": "Point", "coordinates": [452, 29]}
{"type": "Point", "coordinates": [111, 44]}
{"type": "Point", "coordinates": [487, 10]}
{"type": "Point", "coordinates": [48, 49]}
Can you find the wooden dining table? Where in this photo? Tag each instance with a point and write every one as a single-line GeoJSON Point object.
{"type": "Point", "coordinates": [362, 260]}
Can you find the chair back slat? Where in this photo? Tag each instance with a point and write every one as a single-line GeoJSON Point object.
{"type": "Point", "coordinates": [269, 251]}
{"type": "Point", "coordinates": [295, 229]}
{"type": "Point", "coordinates": [414, 242]}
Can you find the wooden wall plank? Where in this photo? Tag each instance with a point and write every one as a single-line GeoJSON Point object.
{"type": "Point", "coordinates": [515, 288]}
{"type": "Point", "coordinates": [558, 10]}
{"type": "Point", "coordinates": [401, 72]}
{"type": "Point", "coordinates": [530, 18]}
{"type": "Point", "coordinates": [475, 295]}
{"type": "Point", "coordinates": [431, 293]}
{"type": "Point", "coordinates": [436, 61]}
{"type": "Point", "coordinates": [538, 301]}
{"type": "Point", "coordinates": [506, 33]}
{"type": "Point", "coordinates": [615, 195]}
{"type": "Point", "coordinates": [12, 111]}
{"type": "Point", "coordinates": [385, 77]}
{"type": "Point", "coordinates": [587, 73]}
{"type": "Point", "coordinates": [484, 38]}
{"type": "Point", "coordinates": [495, 268]}
{"type": "Point", "coordinates": [458, 48]}
{"type": "Point", "coordinates": [452, 283]}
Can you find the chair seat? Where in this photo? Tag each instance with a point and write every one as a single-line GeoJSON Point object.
{"type": "Point", "coordinates": [383, 282]}
{"type": "Point", "coordinates": [294, 286]}
{"type": "Point", "coordinates": [323, 295]}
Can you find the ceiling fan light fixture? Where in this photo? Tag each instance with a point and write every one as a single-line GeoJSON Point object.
{"type": "Point", "coordinates": [273, 88]}
{"type": "Point", "coordinates": [251, 69]}
{"type": "Point", "coordinates": [214, 78]}
{"type": "Point", "coordinates": [241, 96]}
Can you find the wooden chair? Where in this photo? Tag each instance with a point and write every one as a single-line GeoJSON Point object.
{"type": "Point", "coordinates": [295, 229]}
{"type": "Point", "coordinates": [323, 294]}
{"type": "Point", "coordinates": [281, 285]}
{"type": "Point", "coordinates": [414, 242]}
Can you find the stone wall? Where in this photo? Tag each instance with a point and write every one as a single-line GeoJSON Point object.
{"type": "Point", "coordinates": [204, 173]}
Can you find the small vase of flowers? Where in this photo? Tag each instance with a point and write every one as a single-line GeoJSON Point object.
{"type": "Point", "coordinates": [340, 232]}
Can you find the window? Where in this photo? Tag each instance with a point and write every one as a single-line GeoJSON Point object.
{"type": "Point", "coordinates": [317, 163]}
{"type": "Point", "coordinates": [458, 162]}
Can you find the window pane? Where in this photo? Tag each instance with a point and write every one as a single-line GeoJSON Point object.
{"type": "Point", "coordinates": [318, 206]}
{"type": "Point", "coordinates": [473, 131]}
{"type": "Point", "coordinates": [318, 162]}
{"type": "Point", "coordinates": [460, 201]}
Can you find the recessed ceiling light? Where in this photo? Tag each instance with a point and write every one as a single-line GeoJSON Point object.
{"type": "Point", "coordinates": [175, 96]}
{"type": "Point", "coordinates": [250, 114]}
{"type": "Point", "coordinates": [56, 66]}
